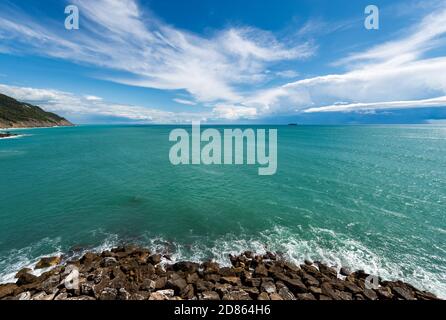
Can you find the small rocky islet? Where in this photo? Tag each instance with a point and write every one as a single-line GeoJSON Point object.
{"type": "Point", "coordinates": [134, 273]}
{"type": "Point", "coordinates": [7, 135]}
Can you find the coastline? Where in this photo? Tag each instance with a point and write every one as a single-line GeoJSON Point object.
{"type": "Point", "coordinates": [135, 273]}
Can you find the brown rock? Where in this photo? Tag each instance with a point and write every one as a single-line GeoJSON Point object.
{"type": "Point", "coordinates": [203, 286]}
{"type": "Point", "coordinates": [253, 292]}
{"type": "Point", "coordinates": [42, 296]}
{"type": "Point", "coordinates": [178, 284]}
{"type": "Point", "coordinates": [253, 282]}
{"type": "Point", "coordinates": [286, 294]}
{"type": "Point", "coordinates": [212, 277]}
{"type": "Point", "coordinates": [26, 278]}
{"type": "Point", "coordinates": [268, 286]}
{"type": "Point", "coordinates": [187, 267]}
{"type": "Point", "coordinates": [222, 288]}
{"type": "Point", "coordinates": [237, 295]}
{"type": "Point", "coordinates": [211, 267]}
{"type": "Point", "coordinates": [328, 291]}
{"type": "Point", "coordinates": [344, 295]}
{"type": "Point", "coordinates": [154, 259]}
{"type": "Point", "coordinates": [315, 290]}
{"type": "Point", "coordinates": [7, 290]}
{"type": "Point", "coordinates": [345, 271]}
{"type": "Point", "coordinates": [305, 296]}
{"type": "Point", "coordinates": [47, 262]}
{"type": "Point", "coordinates": [330, 272]}
{"type": "Point", "coordinates": [384, 293]}
{"type": "Point", "coordinates": [160, 283]}
{"type": "Point", "coordinates": [295, 285]}
{"type": "Point", "coordinates": [426, 296]}
{"type": "Point", "coordinates": [404, 293]}
{"type": "Point", "coordinates": [109, 262]}
{"type": "Point", "coordinates": [353, 288]}
{"type": "Point", "coordinates": [275, 297]}
{"type": "Point", "coordinates": [209, 295]}
{"type": "Point", "coordinates": [188, 292]}
{"type": "Point", "coordinates": [234, 281]}
{"type": "Point", "coordinates": [261, 271]}
{"type": "Point", "coordinates": [370, 294]}
{"type": "Point", "coordinates": [192, 278]}
{"type": "Point", "coordinates": [308, 262]}
{"type": "Point", "coordinates": [108, 294]}
{"type": "Point", "coordinates": [310, 280]}
{"type": "Point", "coordinates": [263, 296]}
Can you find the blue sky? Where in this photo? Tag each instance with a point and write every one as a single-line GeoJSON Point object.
{"type": "Point", "coordinates": [227, 61]}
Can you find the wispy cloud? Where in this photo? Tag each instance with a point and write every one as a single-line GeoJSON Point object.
{"type": "Point", "coordinates": [434, 102]}
{"type": "Point", "coordinates": [224, 69]}
{"type": "Point", "coordinates": [74, 106]}
{"type": "Point", "coordinates": [119, 35]}
{"type": "Point", "coordinates": [184, 101]}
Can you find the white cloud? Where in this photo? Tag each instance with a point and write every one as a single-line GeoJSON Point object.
{"type": "Point", "coordinates": [434, 102]}
{"type": "Point", "coordinates": [396, 72]}
{"type": "Point", "coordinates": [73, 106]}
{"type": "Point", "coordinates": [93, 98]}
{"type": "Point", "coordinates": [233, 112]}
{"type": "Point", "coordinates": [287, 74]}
{"type": "Point", "coordinates": [118, 35]}
{"type": "Point", "coordinates": [186, 102]}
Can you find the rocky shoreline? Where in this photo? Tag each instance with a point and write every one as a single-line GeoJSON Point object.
{"type": "Point", "coordinates": [134, 273]}
{"type": "Point", "coordinates": [7, 135]}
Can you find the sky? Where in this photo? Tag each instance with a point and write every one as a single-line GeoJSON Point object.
{"type": "Point", "coordinates": [176, 61]}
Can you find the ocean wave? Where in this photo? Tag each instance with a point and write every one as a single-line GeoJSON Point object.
{"type": "Point", "coordinates": [16, 136]}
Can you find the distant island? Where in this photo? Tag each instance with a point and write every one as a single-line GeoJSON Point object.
{"type": "Point", "coordinates": [16, 114]}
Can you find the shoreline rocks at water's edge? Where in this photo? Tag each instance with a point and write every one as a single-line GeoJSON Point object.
{"type": "Point", "coordinates": [133, 273]}
{"type": "Point", "coordinates": [7, 135]}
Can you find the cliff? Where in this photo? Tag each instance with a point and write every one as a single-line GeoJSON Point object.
{"type": "Point", "coordinates": [16, 114]}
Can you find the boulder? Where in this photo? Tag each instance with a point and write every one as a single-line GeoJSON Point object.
{"type": "Point", "coordinates": [155, 259]}
{"type": "Point", "coordinates": [108, 294]}
{"type": "Point", "coordinates": [47, 262]}
{"type": "Point", "coordinates": [160, 283]}
{"type": "Point", "coordinates": [177, 284]}
{"type": "Point", "coordinates": [261, 271]}
{"type": "Point", "coordinates": [24, 296]}
{"type": "Point", "coordinates": [234, 281]}
{"type": "Point", "coordinates": [26, 278]}
{"type": "Point", "coordinates": [404, 293]}
{"type": "Point", "coordinates": [237, 295]}
{"type": "Point", "coordinates": [187, 267]}
{"type": "Point", "coordinates": [109, 262]}
{"type": "Point", "coordinates": [42, 296]}
{"type": "Point", "coordinates": [305, 296]}
{"type": "Point", "coordinates": [209, 295]}
{"type": "Point", "coordinates": [286, 294]}
{"type": "Point", "coordinates": [275, 297]}
{"type": "Point", "coordinates": [345, 271]}
{"type": "Point", "coordinates": [7, 289]}
{"type": "Point", "coordinates": [268, 286]}
{"type": "Point", "coordinates": [263, 296]}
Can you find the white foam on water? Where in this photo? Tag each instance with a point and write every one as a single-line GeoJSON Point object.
{"type": "Point", "coordinates": [16, 260]}
{"type": "Point", "coordinates": [16, 137]}
{"type": "Point", "coordinates": [321, 244]}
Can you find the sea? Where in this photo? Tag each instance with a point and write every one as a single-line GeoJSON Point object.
{"type": "Point", "coordinates": [364, 197]}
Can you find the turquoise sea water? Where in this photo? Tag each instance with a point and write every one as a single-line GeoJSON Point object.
{"type": "Point", "coordinates": [370, 197]}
